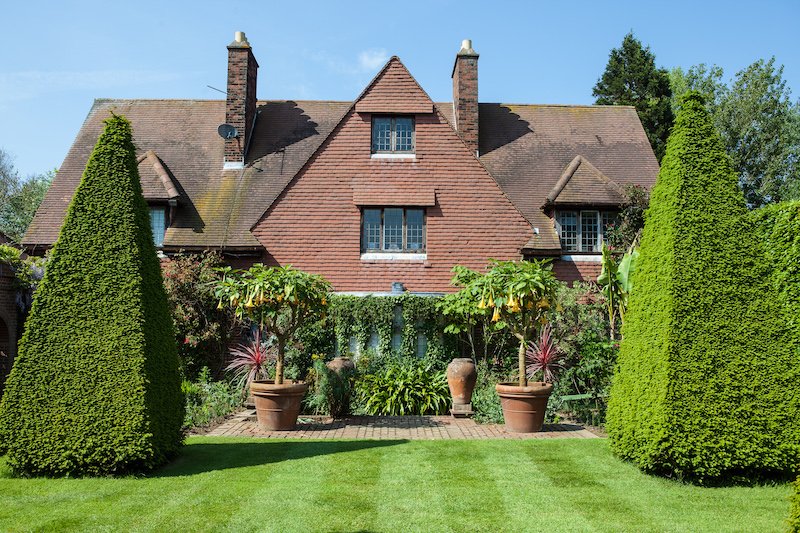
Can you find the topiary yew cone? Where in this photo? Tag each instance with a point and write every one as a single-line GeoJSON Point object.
{"type": "Point", "coordinates": [707, 370]}
{"type": "Point", "coordinates": [96, 387]}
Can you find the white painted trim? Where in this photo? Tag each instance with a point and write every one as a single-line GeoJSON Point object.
{"type": "Point", "coordinates": [383, 256]}
{"type": "Point", "coordinates": [232, 165]}
{"type": "Point", "coordinates": [393, 156]}
{"type": "Point", "coordinates": [584, 258]}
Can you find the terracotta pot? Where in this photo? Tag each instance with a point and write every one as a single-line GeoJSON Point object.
{"type": "Point", "coordinates": [340, 363]}
{"type": "Point", "coordinates": [461, 377]}
{"type": "Point", "coordinates": [277, 406]}
{"type": "Point", "coordinates": [524, 407]}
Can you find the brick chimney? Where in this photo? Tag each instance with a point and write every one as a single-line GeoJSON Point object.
{"type": "Point", "coordinates": [465, 95]}
{"type": "Point", "coordinates": [240, 108]}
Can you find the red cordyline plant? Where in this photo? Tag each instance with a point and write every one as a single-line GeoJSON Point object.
{"type": "Point", "coordinates": [251, 360]}
{"type": "Point", "coordinates": [543, 357]}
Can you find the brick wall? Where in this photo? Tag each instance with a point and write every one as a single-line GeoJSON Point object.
{"type": "Point", "coordinates": [315, 226]}
{"type": "Point", "coordinates": [240, 108]}
{"type": "Point", "coordinates": [465, 99]}
{"type": "Point", "coordinates": [571, 271]}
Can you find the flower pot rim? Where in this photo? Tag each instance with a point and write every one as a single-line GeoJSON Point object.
{"type": "Point", "coordinates": [269, 385]}
{"type": "Point", "coordinates": [533, 387]}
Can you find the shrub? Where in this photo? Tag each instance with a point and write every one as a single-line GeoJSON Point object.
{"type": "Point", "coordinates": [332, 391]}
{"type": "Point", "coordinates": [706, 373]}
{"type": "Point", "coordinates": [407, 387]}
{"type": "Point", "coordinates": [208, 402]}
{"type": "Point", "coordinates": [202, 330]}
{"type": "Point", "coordinates": [485, 400]}
{"type": "Point", "coordinates": [96, 387]}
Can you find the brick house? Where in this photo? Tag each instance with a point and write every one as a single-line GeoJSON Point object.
{"type": "Point", "coordinates": [391, 187]}
{"type": "Point", "coordinates": [9, 315]}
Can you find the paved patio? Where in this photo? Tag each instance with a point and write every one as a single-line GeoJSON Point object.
{"type": "Point", "coordinates": [392, 427]}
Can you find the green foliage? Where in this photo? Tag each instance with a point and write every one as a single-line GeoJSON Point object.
{"type": "Point", "coordinates": [409, 386]}
{"type": "Point", "coordinates": [19, 198]}
{"type": "Point", "coordinates": [794, 518]}
{"type": "Point", "coordinates": [361, 316]}
{"type": "Point", "coordinates": [778, 227]}
{"type": "Point", "coordinates": [705, 378]}
{"type": "Point", "coordinates": [627, 229]}
{"type": "Point", "coordinates": [202, 330]}
{"type": "Point", "coordinates": [278, 299]}
{"type": "Point", "coordinates": [758, 124]}
{"type": "Point", "coordinates": [27, 274]}
{"type": "Point", "coordinates": [616, 283]}
{"type": "Point", "coordinates": [332, 392]}
{"type": "Point", "coordinates": [96, 387]}
{"type": "Point", "coordinates": [631, 78]}
{"type": "Point", "coordinates": [485, 400]}
{"type": "Point", "coordinates": [520, 295]}
{"type": "Point", "coordinates": [209, 402]}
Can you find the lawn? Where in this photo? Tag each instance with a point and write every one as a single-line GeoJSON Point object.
{"type": "Point", "coordinates": [242, 484]}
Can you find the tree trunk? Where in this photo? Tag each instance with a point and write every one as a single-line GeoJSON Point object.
{"type": "Point", "coordinates": [523, 378]}
{"type": "Point", "coordinates": [279, 366]}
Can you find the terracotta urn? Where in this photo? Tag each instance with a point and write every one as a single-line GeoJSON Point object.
{"type": "Point", "coordinates": [461, 377]}
{"type": "Point", "coordinates": [277, 406]}
{"type": "Point", "coordinates": [524, 407]}
{"type": "Point", "coordinates": [340, 363]}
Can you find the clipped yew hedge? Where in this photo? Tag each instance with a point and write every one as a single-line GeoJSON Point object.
{"type": "Point", "coordinates": [778, 226]}
{"type": "Point", "coordinates": [707, 370]}
{"type": "Point", "coordinates": [96, 389]}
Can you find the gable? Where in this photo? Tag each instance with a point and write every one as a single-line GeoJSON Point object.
{"type": "Point", "coordinates": [582, 183]}
{"type": "Point", "coordinates": [394, 90]}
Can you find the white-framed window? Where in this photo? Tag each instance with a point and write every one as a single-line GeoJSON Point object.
{"type": "Point", "coordinates": [391, 135]}
{"type": "Point", "coordinates": [158, 221]}
{"type": "Point", "coordinates": [583, 231]}
{"type": "Point", "coordinates": [393, 229]}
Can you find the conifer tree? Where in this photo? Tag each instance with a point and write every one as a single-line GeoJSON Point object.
{"type": "Point", "coordinates": [704, 387]}
{"type": "Point", "coordinates": [631, 78]}
{"type": "Point", "coordinates": [96, 387]}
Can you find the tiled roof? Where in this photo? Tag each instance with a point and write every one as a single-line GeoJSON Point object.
{"type": "Point", "coordinates": [218, 207]}
{"type": "Point", "coordinates": [527, 149]}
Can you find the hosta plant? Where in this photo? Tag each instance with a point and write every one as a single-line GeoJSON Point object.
{"type": "Point", "coordinates": [407, 387]}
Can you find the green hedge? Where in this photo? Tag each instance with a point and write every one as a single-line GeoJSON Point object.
{"type": "Point", "coordinates": [794, 518]}
{"type": "Point", "coordinates": [706, 372]}
{"type": "Point", "coordinates": [96, 388]}
{"type": "Point", "coordinates": [778, 227]}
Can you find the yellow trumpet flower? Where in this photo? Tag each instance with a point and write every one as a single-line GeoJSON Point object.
{"type": "Point", "coordinates": [558, 307]}
{"type": "Point", "coordinates": [482, 305]}
{"type": "Point", "coordinates": [529, 305]}
{"type": "Point", "coordinates": [496, 315]}
{"type": "Point", "coordinates": [220, 306]}
{"type": "Point", "coordinates": [490, 303]}
{"type": "Point", "coordinates": [510, 302]}
{"type": "Point", "coordinates": [543, 303]}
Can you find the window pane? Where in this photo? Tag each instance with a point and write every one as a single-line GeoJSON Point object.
{"type": "Point", "coordinates": [569, 231]}
{"type": "Point", "coordinates": [372, 229]}
{"type": "Point", "coordinates": [393, 229]}
{"type": "Point", "coordinates": [414, 229]}
{"type": "Point", "coordinates": [381, 134]}
{"type": "Point", "coordinates": [589, 231]}
{"type": "Point", "coordinates": [403, 135]}
{"type": "Point", "coordinates": [158, 222]}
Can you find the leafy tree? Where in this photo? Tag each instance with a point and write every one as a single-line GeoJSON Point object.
{"type": "Point", "coordinates": [707, 373]}
{"type": "Point", "coordinates": [19, 199]}
{"type": "Point", "coordinates": [96, 388]}
{"type": "Point", "coordinates": [627, 229]}
{"type": "Point", "coordinates": [758, 124]}
{"type": "Point", "coordinates": [631, 78]}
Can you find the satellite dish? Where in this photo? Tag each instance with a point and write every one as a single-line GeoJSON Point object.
{"type": "Point", "coordinates": [226, 131]}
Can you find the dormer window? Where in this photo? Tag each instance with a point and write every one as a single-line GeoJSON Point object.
{"type": "Point", "coordinates": [583, 231]}
{"type": "Point", "coordinates": [392, 135]}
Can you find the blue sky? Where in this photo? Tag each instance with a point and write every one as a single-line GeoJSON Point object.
{"type": "Point", "coordinates": [56, 57]}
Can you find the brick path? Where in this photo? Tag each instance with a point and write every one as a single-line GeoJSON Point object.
{"type": "Point", "coordinates": [392, 427]}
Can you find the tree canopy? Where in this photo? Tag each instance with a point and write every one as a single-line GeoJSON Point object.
{"type": "Point", "coordinates": [631, 78]}
{"type": "Point", "coordinates": [19, 198]}
{"type": "Point", "coordinates": [758, 124]}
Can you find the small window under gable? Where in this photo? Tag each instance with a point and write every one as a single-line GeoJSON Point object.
{"type": "Point", "coordinates": [393, 229]}
{"type": "Point", "coordinates": [158, 222]}
{"type": "Point", "coordinates": [392, 135]}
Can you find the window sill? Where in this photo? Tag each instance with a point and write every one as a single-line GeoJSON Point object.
{"type": "Point", "coordinates": [393, 156]}
{"type": "Point", "coordinates": [586, 257]}
{"type": "Point", "coordinates": [389, 256]}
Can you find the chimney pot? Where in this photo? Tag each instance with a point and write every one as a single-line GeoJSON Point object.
{"type": "Point", "coordinates": [241, 38]}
